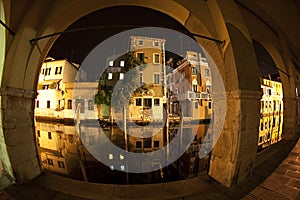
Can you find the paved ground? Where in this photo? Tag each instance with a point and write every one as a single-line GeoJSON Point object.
{"type": "Point", "coordinates": [284, 182]}
{"type": "Point", "coordinates": [276, 176]}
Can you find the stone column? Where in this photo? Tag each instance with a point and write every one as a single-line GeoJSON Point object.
{"type": "Point", "coordinates": [234, 153]}
{"type": "Point", "coordinates": [18, 129]}
{"type": "Point", "coordinates": [289, 119]}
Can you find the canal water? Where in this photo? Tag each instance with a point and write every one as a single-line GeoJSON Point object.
{"type": "Point", "coordinates": [83, 152]}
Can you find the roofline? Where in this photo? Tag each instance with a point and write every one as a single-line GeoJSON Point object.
{"type": "Point", "coordinates": [64, 59]}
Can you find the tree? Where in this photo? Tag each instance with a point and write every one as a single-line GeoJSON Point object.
{"type": "Point", "coordinates": [126, 87]}
{"type": "Point", "coordinates": [122, 90]}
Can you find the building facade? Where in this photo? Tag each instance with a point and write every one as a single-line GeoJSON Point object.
{"type": "Point", "coordinates": [147, 104]}
{"type": "Point", "coordinates": [271, 113]}
{"type": "Point", "coordinates": [190, 87]}
{"type": "Point", "coordinates": [61, 89]}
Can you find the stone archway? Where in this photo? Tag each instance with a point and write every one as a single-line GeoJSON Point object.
{"type": "Point", "coordinates": [233, 155]}
{"type": "Point", "coordinates": [270, 36]}
{"type": "Point", "coordinates": [287, 78]}
{"type": "Point", "coordinates": [5, 166]}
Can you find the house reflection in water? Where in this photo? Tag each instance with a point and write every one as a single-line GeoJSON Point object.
{"type": "Point", "coordinates": [61, 151]}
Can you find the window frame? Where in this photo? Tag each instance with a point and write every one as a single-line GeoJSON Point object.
{"type": "Point", "coordinates": [139, 57]}
{"type": "Point", "coordinates": [207, 72]}
{"type": "Point", "coordinates": [138, 100]}
{"type": "Point", "coordinates": [155, 103]}
{"type": "Point", "coordinates": [154, 78]}
{"type": "Point", "coordinates": [156, 42]}
{"type": "Point", "coordinates": [154, 58]}
{"type": "Point", "coordinates": [140, 41]}
{"type": "Point", "coordinates": [110, 76]}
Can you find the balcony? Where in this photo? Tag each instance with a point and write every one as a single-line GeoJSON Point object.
{"type": "Point", "coordinates": [191, 95]}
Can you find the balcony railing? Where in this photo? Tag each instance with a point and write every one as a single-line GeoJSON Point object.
{"type": "Point", "coordinates": [191, 95]}
{"type": "Point", "coordinates": [198, 95]}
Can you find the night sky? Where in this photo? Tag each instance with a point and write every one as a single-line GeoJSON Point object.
{"type": "Point", "coordinates": [77, 45]}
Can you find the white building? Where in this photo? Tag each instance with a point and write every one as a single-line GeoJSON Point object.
{"type": "Point", "coordinates": [58, 94]}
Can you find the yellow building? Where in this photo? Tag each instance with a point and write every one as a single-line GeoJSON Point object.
{"type": "Point", "coordinates": [57, 150]}
{"type": "Point", "coordinates": [271, 110]}
{"type": "Point", "coordinates": [147, 105]}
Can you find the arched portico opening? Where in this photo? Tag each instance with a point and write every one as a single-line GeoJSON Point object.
{"type": "Point", "coordinates": [230, 162]}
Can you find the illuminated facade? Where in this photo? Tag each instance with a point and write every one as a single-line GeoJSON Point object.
{"type": "Point", "coordinates": [58, 94]}
{"type": "Point", "coordinates": [271, 113]}
{"type": "Point", "coordinates": [190, 88]}
{"type": "Point", "coordinates": [147, 104]}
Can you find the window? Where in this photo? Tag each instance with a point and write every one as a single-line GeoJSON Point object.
{"type": "Point", "coordinates": [140, 42]}
{"type": "Point", "coordinates": [90, 105]}
{"type": "Point", "coordinates": [196, 105]}
{"type": "Point", "coordinates": [50, 161]}
{"type": "Point", "coordinates": [58, 70]}
{"type": "Point", "coordinates": [148, 102]}
{"type": "Point", "coordinates": [156, 58]}
{"type": "Point", "coordinates": [208, 88]}
{"type": "Point", "coordinates": [121, 76]}
{"type": "Point", "coordinates": [49, 135]}
{"type": "Point", "coordinates": [141, 77]}
{"type": "Point", "coordinates": [156, 102]}
{"type": "Point", "coordinates": [48, 70]}
{"type": "Point", "coordinates": [260, 139]}
{"type": "Point", "coordinates": [138, 101]}
{"type": "Point", "coordinates": [61, 164]}
{"type": "Point", "coordinates": [194, 71]}
{"type": "Point", "coordinates": [183, 75]}
{"type": "Point", "coordinates": [122, 167]}
{"type": "Point", "coordinates": [138, 144]}
{"type": "Point", "coordinates": [122, 63]}
{"type": "Point", "coordinates": [37, 103]}
{"type": "Point", "coordinates": [156, 144]}
{"type": "Point", "coordinates": [141, 56]}
{"type": "Point", "coordinates": [45, 87]}
{"type": "Point", "coordinates": [155, 43]}
{"type": "Point", "coordinates": [69, 104]}
{"type": "Point", "coordinates": [111, 63]}
{"type": "Point", "coordinates": [147, 142]}
{"type": "Point", "coordinates": [39, 133]}
{"type": "Point", "coordinates": [71, 139]}
{"type": "Point", "coordinates": [195, 88]}
{"type": "Point", "coordinates": [209, 105]}
{"type": "Point", "coordinates": [43, 71]}
{"type": "Point", "coordinates": [207, 72]}
{"type": "Point", "coordinates": [80, 104]}
{"type": "Point", "coordinates": [156, 79]}
{"type": "Point", "coordinates": [48, 104]}
{"type": "Point", "coordinates": [110, 76]}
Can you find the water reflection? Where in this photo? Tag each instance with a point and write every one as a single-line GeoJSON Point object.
{"type": "Point", "coordinates": [61, 150]}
